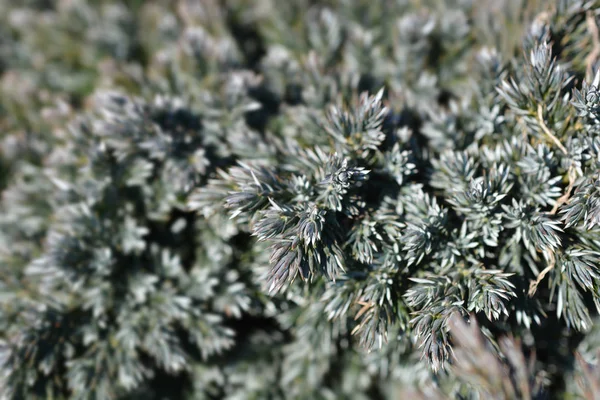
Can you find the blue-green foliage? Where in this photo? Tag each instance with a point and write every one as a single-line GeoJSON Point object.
{"type": "Point", "coordinates": [298, 200]}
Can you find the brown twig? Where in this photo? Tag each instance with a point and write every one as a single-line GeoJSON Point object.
{"type": "Point", "coordinates": [534, 284]}
{"type": "Point", "coordinates": [552, 261]}
{"type": "Point", "coordinates": [565, 197]}
{"type": "Point", "coordinates": [540, 118]}
{"type": "Point", "coordinates": [595, 32]}
{"type": "Point", "coordinates": [366, 306]}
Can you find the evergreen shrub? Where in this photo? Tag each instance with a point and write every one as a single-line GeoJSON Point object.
{"type": "Point", "coordinates": [307, 199]}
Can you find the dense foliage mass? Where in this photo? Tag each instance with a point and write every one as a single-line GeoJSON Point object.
{"type": "Point", "coordinates": [302, 199]}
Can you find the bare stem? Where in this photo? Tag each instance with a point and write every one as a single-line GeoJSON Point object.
{"type": "Point", "coordinates": [540, 118]}
{"type": "Point", "coordinates": [534, 284]}
{"type": "Point", "coordinates": [565, 197]}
